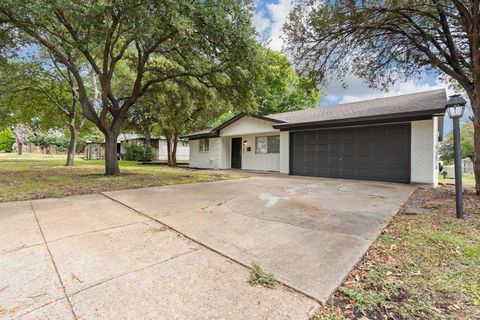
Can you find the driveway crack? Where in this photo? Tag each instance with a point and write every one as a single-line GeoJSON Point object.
{"type": "Point", "coordinates": [133, 271]}
{"type": "Point", "coordinates": [53, 262]}
{"type": "Point", "coordinates": [204, 245]}
{"type": "Point", "coordinates": [37, 308]}
{"type": "Point", "coordinates": [21, 248]}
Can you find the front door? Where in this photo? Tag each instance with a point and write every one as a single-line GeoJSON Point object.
{"type": "Point", "coordinates": [236, 153]}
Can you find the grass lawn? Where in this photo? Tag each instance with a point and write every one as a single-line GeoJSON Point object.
{"type": "Point", "coordinates": [34, 176]}
{"type": "Point", "coordinates": [424, 266]}
{"type": "Point", "coordinates": [468, 181]}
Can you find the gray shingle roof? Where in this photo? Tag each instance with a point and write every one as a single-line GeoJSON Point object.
{"type": "Point", "coordinates": [414, 102]}
{"type": "Point", "coordinates": [200, 132]}
{"type": "Point", "coordinates": [426, 102]}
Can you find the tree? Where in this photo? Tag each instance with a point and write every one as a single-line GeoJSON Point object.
{"type": "Point", "coordinates": [212, 41]}
{"type": "Point", "coordinates": [6, 140]}
{"type": "Point", "coordinates": [466, 144]}
{"type": "Point", "coordinates": [47, 138]}
{"type": "Point", "coordinates": [280, 89]}
{"type": "Point", "coordinates": [141, 119]}
{"type": "Point", "coordinates": [20, 132]}
{"type": "Point", "coordinates": [380, 41]}
{"type": "Point", "coordinates": [40, 91]}
{"type": "Point", "coordinates": [181, 106]}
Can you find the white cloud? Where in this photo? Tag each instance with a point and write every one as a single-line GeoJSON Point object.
{"type": "Point", "coordinates": [269, 24]}
{"type": "Point", "coordinates": [279, 14]}
{"type": "Point", "coordinates": [357, 90]}
{"type": "Point", "coordinates": [260, 22]}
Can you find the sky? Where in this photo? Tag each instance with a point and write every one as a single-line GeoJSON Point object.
{"type": "Point", "coordinates": [268, 20]}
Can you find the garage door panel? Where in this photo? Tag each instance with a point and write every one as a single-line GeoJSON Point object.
{"type": "Point", "coordinates": [321, 171]}
{"type": "Point", "coordinates": [333, 172]}
{"type": "Point", "coordinates": [335, 147]}
{"type": "Point", "coordinates": [364, 173]}
{"type": "Point", "coordinates": [336, 135]}
{"type": "Point", "coordinates": [380, 175]}
{"type": "Point", "coordinates": [349, 148]}
{"type": "Point", "coordinates": [372, 153]}
{"type": "Point", "coordinates": [348, 173]}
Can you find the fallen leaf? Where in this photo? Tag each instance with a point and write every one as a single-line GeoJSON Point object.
{"type": "Point", "coordinates": [14, 309]}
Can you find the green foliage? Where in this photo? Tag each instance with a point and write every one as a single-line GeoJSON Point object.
{"type": "Point", "coordinates": [177, 39]}
{"type": "Point", "coordinates": [260, 277]}
{"type": "Point", "coordinates": [129, 46]}
{"type": "Point", "coordinates": [181, 107]}
{"type": "Point", "coordinates": [364, 300]}
{"type": "Point", "coordinates": [467, 146]}
{"type": "Point", "coordinates": [6, 140]}
{"type": "Point", "coordinates": [51, 137]}
{"type": "Point", "coordinates": [382, 41]}
{"type": "Point", "coordinates": [89, 133]}
{"type": "Point", "coordinates": [25, 89]}
{"type": "Point", "coordinates": [280, 89]}
{"type": "Point", "coordinates": [138, 152]}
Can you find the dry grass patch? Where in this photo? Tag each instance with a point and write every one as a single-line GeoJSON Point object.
{"type": "Point", "coordinates": [423, 266]}
{"type": "Point", "coordinates": [26, 179]}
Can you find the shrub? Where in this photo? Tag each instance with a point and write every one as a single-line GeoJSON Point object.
{"type": "Point", "coordinates": [138, 152]}
{"type": "Point", "coordinates": [52, 137]}
{"type": "Point", "coordinates": [6, 140]}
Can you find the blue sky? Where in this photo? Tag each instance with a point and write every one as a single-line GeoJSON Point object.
{"type": "Point", "coordinates": [268, 20]}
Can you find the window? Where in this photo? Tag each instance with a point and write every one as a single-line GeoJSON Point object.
{"type": "Point", "coordinates": [204, 145]}
{"type": "Point", "coordinates": [267, 144]}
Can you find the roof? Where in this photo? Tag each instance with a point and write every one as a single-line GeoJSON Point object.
{"type": "Point", "coordinates": [420, 103]}
{"type": "Point", "coordinates": [214, 132]}
{"type": "Point", "coordinates": [414, 106]}
{"type": "Point", "coordinates": [130, 136]}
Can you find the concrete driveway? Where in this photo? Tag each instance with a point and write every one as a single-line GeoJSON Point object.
{"type": "Point", "coordinates": [180, 252]}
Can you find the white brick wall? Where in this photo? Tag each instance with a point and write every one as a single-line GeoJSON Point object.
{"type": "Point", "coordinates": [424, 152]}
{"type": "Point", "coordinates": [258, 161]}
{"type": "Point", "coordinates": [207, 160]}
{"type": "Point", "coordinates": [285, 152]}
{"type": "Point", "coordinates": [182, 150]}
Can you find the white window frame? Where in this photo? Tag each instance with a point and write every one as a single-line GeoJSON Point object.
{"type": "Point", "coordinates": [268, 147]}
{"type": "Point", "coordinates": [204, 145]}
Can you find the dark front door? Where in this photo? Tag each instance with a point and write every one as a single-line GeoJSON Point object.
{"type": "Point", "coordinates": [369, 153]}
{"type": "Point", "coordinates": [237, 153]}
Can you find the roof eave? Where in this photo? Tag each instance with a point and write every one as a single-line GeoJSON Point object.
{"type": "Point", "coordinates": [215, 132]}
{"type": "Point", "coordinates": [210, 134]}
{"type": "Point", "coordinates": [403, 116]}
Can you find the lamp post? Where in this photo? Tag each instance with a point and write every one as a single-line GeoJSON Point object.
{"type": "Point", "coordinates": [455, 107]}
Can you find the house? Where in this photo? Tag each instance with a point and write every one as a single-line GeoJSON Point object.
{"type": "Point", "coordinates": [96, 150]}
{"type": "Point", "coordinates": [387, 139]}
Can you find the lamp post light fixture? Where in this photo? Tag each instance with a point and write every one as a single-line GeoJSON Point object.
{"type": "Point", "coordinates": [455, 107]}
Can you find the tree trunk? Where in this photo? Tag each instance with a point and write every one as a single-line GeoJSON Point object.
{"type": "Point", "coordinates": [168, 137]}
{"type": "Point", "coordinates": [111, 156]}
{"type": "Point", "coordinates": [148, 137]}
{"type": "Point", "coordinates": [476, 157]}
{"type": "Point", "coordinates": [475, 101]}
{"type": "Point", "coordinates": [174, 150]}
{"type": "Point", "coordinates": [19, 138]}
{"type": "Point", "coordinates": [72, 146]}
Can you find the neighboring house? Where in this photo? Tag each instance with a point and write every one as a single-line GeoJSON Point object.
{"type": "Point", "coordinates": [96, 150]}
{"type": "Point", "coordinates": [388, 139]}
{"type": "Point", "coordinates": [183, 150]}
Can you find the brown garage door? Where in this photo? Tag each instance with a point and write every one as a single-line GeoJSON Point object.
{"type": "Point", "coordinates": [370, 153]}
